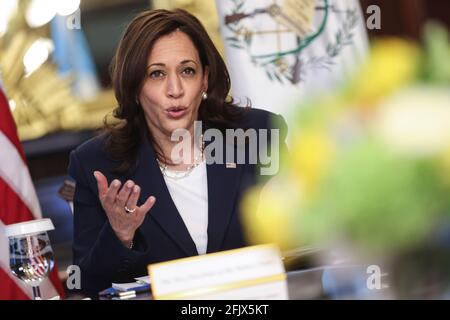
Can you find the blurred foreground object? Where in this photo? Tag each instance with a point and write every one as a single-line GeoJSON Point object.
{"type": "Point", "coordinates": [369, 170]}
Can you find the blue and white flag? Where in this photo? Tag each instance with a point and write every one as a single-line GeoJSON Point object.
{"type": "Point", "coordinates": [73, 57]}
{"type": "Point", "coordinates": [280, 51]}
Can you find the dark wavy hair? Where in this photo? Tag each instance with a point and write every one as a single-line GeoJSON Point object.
{"type": "Point", "coordinates": [128, 72]}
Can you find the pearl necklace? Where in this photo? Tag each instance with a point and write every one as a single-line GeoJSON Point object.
{"type": "Point", "coordinates": [177, 174]}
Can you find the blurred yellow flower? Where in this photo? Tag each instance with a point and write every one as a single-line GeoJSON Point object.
{"type": "Point", "coordinates": [392, 63]}
{"type": "Point", "coordinates": [311, 154]}
{"type": "Point", "coordinates": [268, 214]}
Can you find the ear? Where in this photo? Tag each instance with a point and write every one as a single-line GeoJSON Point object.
{"type": "Point", "coordinates": [205, 79]}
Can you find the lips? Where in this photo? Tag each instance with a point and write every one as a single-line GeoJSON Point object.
{"type": "Point", "coordinates": [176, 112]}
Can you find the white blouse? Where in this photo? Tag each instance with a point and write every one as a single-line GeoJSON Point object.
{"type": "Point", "coordinates": [190, 195]}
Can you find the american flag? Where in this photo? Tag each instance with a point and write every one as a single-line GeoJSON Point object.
{"type": "Point", "coordinates": [18, 203]}
{"type": "Point", "coordinates": [38, 264]}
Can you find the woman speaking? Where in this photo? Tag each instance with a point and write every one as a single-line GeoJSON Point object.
{"type": "Point", "coordinates": [135, 202]}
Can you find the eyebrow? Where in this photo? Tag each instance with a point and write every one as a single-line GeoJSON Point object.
{"type": "Point", "coordinates": [163, 65]}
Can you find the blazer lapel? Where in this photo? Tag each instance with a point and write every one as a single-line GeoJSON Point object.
{"type": "Point", "coordinates": [223, 183]}
{"type": "Point", "coordinates": [149, 177]}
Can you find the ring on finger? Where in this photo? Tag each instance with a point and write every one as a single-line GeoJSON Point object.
{"type": "Point", "coordinates": [128, 210]}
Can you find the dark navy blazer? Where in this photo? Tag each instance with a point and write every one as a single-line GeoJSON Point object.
{"type": "Point", "coordinates": [163, 235]}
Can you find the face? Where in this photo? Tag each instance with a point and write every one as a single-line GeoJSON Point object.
{"type": "Point", "coordinates": [173, 87]}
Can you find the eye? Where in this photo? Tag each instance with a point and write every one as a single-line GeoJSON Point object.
{"type": "Point", "coordinates": [189, 71]}
{"type": "Point", "coordinates": [156, 74]}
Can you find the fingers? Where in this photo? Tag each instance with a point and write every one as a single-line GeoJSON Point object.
{"type": "Point", "coordinates": [127, 196]}
{"type": "Point", "coordinates": [102, 183]}
{"type": "Point", "coordinates": [124, 194]}
{"type": "Point", "coordinates": [134, 197]}
{"type": "Point", "coordinates": [111, 194]}
{"type": "Point", "coordinates": [147, 205]}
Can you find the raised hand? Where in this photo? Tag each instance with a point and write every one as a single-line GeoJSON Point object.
{"type": "Point", "coordinates": [120, 205]}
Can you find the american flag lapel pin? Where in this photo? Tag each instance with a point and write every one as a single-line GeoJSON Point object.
{"type": "Point", "coordinates": [231, 165]}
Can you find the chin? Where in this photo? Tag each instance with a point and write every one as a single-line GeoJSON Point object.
{"type": "Point", "coordinates": [177, 124]}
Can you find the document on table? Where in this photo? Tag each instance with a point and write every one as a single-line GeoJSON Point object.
{"type": "Point", "coordinates": [249, 273]}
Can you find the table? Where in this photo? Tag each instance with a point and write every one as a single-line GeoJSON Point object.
{"type": "Point", "coordinates": [325, 282]}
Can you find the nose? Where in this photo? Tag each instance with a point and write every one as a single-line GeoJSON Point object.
{"type": "Point", "coordinates": [174, 86]}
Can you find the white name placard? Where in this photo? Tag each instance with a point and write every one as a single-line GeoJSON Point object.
{"type": "Point", "coordinates": [248, 273]}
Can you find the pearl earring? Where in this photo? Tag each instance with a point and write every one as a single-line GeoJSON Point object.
{"type": "Point", "coordinates": [204, 95]}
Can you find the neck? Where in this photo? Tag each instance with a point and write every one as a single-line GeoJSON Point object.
{"type": "Point", "coordinates": [186, 150]}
